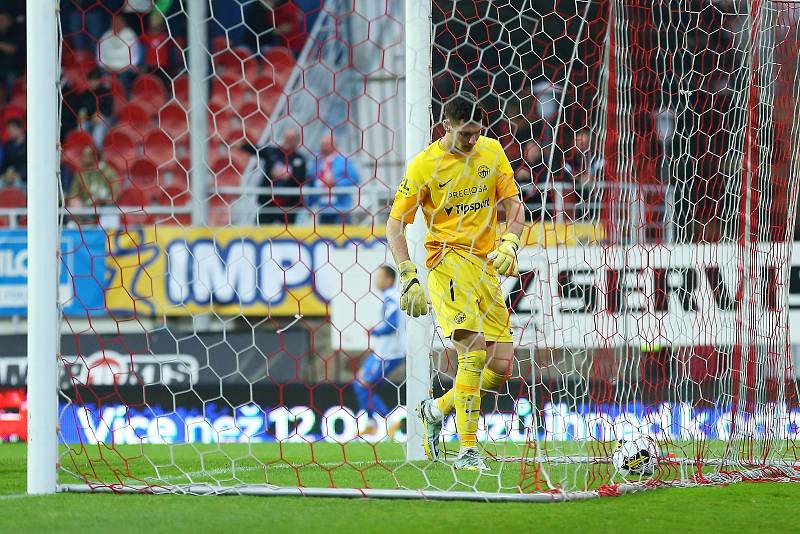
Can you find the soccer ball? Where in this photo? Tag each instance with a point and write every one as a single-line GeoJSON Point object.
{"type": "Point", "coordinates": [636, 455]}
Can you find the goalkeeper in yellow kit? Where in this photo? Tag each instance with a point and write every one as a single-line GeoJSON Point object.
{"type": "Point", "coordinates": [460, 181]}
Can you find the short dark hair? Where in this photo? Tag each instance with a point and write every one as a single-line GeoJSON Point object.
{"type": "Point", "coordinates": [464, 107]}
{"type": "Point", "coordinates": [15, 122]}
{"type": "Point", "coordinates": [389, 271]}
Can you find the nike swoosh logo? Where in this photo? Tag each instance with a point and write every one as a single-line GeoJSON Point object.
{"type": "Point", "coordinates": [447, 182]}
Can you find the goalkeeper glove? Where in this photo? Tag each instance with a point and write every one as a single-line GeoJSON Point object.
{"type": "Point", "coordinates": [505, 255]}
{"type": "Point", "coordinates": [413, 300]}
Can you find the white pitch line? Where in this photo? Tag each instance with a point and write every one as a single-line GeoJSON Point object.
{"type": "Point", "coordinates": [15, 496]}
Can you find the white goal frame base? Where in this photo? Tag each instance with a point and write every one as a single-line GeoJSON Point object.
{"type": "Point", "coordinates": [774, 471]}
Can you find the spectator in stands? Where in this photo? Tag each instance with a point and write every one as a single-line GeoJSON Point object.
{"type": "Point", "coordinates": [11, 177]}
{"type": "Point", "coordinates": [273, 23]}
{"type": "Point", "coordinates": [586, 167]}
{"type": "Point", "coordinates": [333, 170]}
{"type": "Point", "coordinates": [83, 22]}
{"type": "Point", "coordinates": [539, 186]}
{"type": "Point", "coordinates": [119, 51]}
{"type": "Point", "coordinates": [90, 108]}
{"type": "Point", "coordinates": [157, 46]}
{"type": "Point", "coordinates": [281, 166]}
{"type": "Point", "coordinates": [15, 148]}
{"type": "Point", "coordinates": [95, 183]}
{"type": "Point", "coordinates": [12, 44]}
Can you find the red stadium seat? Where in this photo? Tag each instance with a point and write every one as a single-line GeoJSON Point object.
{"type": "Point", "coordinates": [12, 197]}
{"type": "Point", "coordinates": [135, 116]}
{"type": "Point", "coordinates": [173, 119]}
{"type": "Point", "coordinates": [219, 43]}
{"type": "Point", "coordinates": [228, 126]}
{"type": "Point", "coordinates": [120, 164]}
{"type": "Point", "coordinates": [240, 159]}
{"type": "Point", "coordinates": [118, 92]}
{"type": "Point", "coordinates": [131, 202]}
{"type": "Point", "coordinates": [279, 57]}
{"type": "Point", "coordinates": [73, 146]}
{"type": "Point", "coordinates": [77, 138]}
{"type": "Point", "coordinates": [262, 82]}
{"type": "Point", "coordinates": [122, 142]}
{"type": "Point", "coordinates": [148, 89]}
{"type": "Point", "coordinates": [173, 174]}
{"type": "Point", "coordinates": [158, 147]}
{"type": "Point", "coordinates": [255, 120]}
{"type": "Point", "coordinates": [178, 197]}
{"type": "Point", "coordinates": [226, 176]}
{"type": "Point", "coordinates": [144, 176]}
{"type": "Point", "coordinates": [180, 89]}
{"type": "Point", "coordinates": [268, 98]}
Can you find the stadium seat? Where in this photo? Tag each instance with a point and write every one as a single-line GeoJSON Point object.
{"type": "Point", "coordinates": [226, 61]}
{"type": "Point", "coordinates": [118, 92]}
{"type": "Point", "coordinates": [180, 89]}
{"type": "Point", "coordinates": [179, 197]}
{"type": "Point", "coordinates": [122, 142]}
{"type": "Point", "coordinates": [131, 202]}
{"type": "Point", "coordinates": [263, 81]}
{"type": "Point", "coordinates": [219, 43]}
{"type": "Point", "coordinates": [226, 176]}
{"type": "Point", "coordinates": [144, 176]}
{"type": "Point", "coordinates": [135, 116]}
{"type": "Point", "coordinates": [12, 197]}
{"type": "Point", "coordinates": [73, 145]}
{"type": "Point", "coordinates": [77, 138]}
{"type": "Point", "coordinates": [240, 159]}
{"type": "Point", "coordinates": [119, 163]}
{"type": "Point", "coordinates": [255, 120]}
{"type": "Point", "coordinates": [268, 98]}
{"type": "Point", "coordinates": [149, 90]}
{"type": "Point", "coordinates": [158, 147]}
{"type": "Point", "coordinates": [279, 57]}
{"type": "Point", "coordinates": [252, 67]}
{"type": "Point", "coordinates": [173, 119]}
{"type": "Point", "coordinates": [228, 125]}
{"type": "Point", "coordinates": [173, 174]}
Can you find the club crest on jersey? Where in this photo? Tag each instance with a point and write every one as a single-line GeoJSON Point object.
{"type": "Point", "coordinates": [460, 318]}
{"type": "Point", "coordinates": [483, 172]}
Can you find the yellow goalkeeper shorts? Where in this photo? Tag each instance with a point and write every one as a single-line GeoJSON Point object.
{"type": "Point", "coordinates": [465, 294]}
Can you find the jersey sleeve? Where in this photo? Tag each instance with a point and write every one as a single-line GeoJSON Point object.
{"type": "Point", "coordinates": [506, 185]}
{"type": "Point", "coordinates": [410, 192]}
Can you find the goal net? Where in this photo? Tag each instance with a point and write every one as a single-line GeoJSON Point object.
{"type": "Point", "coordinates": [223, 237]}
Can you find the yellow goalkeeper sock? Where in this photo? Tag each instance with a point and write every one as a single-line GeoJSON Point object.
{"type": "Point", "coordinates": [492, 381]}
{"type": "Point", "coordinates": [467, 397]}
{"type": "Point", "coordinates": [446, 403]}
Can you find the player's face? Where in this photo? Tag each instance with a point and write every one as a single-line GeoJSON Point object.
{"type": "Point", "coordinates": [464, 135]}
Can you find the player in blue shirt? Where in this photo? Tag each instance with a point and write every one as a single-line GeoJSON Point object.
{"type": "Point", "coordinates": [388, 351]}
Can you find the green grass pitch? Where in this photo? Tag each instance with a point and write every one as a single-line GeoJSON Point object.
{"type": "Point", "coordinates": [765, 507]}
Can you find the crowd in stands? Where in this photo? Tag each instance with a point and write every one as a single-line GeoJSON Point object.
{"type": "Point", "coordinates": [124, 120]}
{"type": "Point", "coordinates": [125, 96]}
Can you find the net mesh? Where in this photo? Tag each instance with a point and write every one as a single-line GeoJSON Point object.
{"type": "Point", "coordinates": [219, 311]}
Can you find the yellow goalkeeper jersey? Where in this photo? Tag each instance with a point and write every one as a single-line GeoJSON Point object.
{"type": "Point", "coordinates": [458, 194]}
